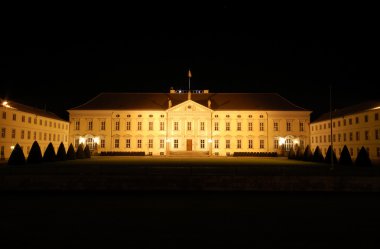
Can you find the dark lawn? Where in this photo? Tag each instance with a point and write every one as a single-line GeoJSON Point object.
{"type": "Point", "coordinates": [188, 166]}
{"type": "Point", "coordinates": [189, 220]}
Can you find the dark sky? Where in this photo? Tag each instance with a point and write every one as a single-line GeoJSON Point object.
{"type": "Point", "coordinates": [61, 56]}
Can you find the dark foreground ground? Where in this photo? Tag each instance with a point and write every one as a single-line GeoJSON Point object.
{"type": "Point", "coordinates": [189, 220]}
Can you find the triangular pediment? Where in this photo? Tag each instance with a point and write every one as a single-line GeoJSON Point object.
{"type": "Point", "coordinates": [189, 106]}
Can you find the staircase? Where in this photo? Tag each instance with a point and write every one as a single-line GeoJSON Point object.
{"type": "Point", "coordinates": [189, 153]}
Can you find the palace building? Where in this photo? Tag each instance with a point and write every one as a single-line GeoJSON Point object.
{"type": "Point", "coordinates": [189, 122]}
{"type": "Point", "coordinates": [354, 126]}
{"type": "Point", "coordinates": [24, 124]}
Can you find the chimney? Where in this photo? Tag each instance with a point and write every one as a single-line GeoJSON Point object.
{"type": "Point", "coordinates": [169, 103]}
{"type": "Point", "coordinates": [209, 103]}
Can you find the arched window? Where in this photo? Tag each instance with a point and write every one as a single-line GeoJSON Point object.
{"type": "Point", "coordinates": [288, 144]}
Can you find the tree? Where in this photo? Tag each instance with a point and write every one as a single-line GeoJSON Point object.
{"type": "Point", "coordinates": [328, 156]}
{"type": "Point", "coordinates": [87, 152]}
{"type": "Point", "coordinates": [292, 154]}
{"type": "Point", "coordinates": [345, 157]}
{"type": "Point", "coordinates": [308, 155]}
{"type": "Point", "coordinates": [35, 155]}
{"type": "Point", "coordinates": [61, 154]}
{"type": "Point", "coordinates": [49, 155]}
{"type": "Point", "coordinates": [318, 157]}
{"type": "Point", "coordinates": [71, 153]}
{"type": "Point", "coordinates": [80, 152]}
{"type": "Point", "coordinates": [17, 156]}
{"type": "Point", "coordinates": [363, 158]}
{"type": "Point", "coordinates": [299, 154]}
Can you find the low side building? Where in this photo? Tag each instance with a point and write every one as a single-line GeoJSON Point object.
{"type": "Point", "coordinates": [189, 122]}
{"type": "Point", "coordinates": [24, 124]}
{"type": "Point", "coordinates": [354, 126]}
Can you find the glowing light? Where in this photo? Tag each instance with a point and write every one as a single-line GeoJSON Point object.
{"type": "Point", "coordinates": [12, 147]}
{"type": "Point", "coordinates": [81, 140]}
{"type": "Point", "coordinates": [96, 140]}
{"type": "Point", "coordinates": [281, 141]}
{"type": "Point", "coordinates": [210, 140]}
{"type": "Point", "coordinates": [377, 107]}
{"type": "Point", "coordinates": [168, 140]}
{"type": "Point", "coordinates": [6, 104]}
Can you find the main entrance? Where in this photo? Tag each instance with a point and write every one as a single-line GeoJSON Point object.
{"type": "Point", "coordinates": [189, 144]}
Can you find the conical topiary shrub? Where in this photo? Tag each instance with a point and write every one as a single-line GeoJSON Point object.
{"type": "Point", "coordinates": [80, 152]}
{"type": "Point", "coordinates": [35, 155]}
{"type": "Point", "coordinates": [49, 155]}
{"type": "Point", "coordinates": [87, 152]}
{"type": "Point", "coordinates": [308, 155]}
{"type": "Point", "coordinates": [61, 153]}
{"type": "Point", "coordinates": [17, 156]}
{"type": "Point", "coordinates": [292, 154]}
{"type": "Point", "coordinates": [71, 153]}
{"type": "Point", "coordinates": [299, 153]}
{"type": "Point", "coordinates": [363, 158]}
{"type": "Point", "coordinates": [328, 156]}
{"type": "Point", "coordinates": [345, 157]}
{"type": "Point", "coordinates": [318, 156]}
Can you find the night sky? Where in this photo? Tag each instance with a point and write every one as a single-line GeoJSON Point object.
{"type": "Point", "coordinates": [62, 56]}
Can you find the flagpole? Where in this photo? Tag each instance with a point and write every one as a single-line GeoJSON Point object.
{"type": "Point", "coordinates": [189, 75]}
{"type": "Point", "coordinates": [331, 131]}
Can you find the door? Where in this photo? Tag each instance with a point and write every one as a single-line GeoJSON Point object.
{"type": "Point", "coordinates": [189, 145]}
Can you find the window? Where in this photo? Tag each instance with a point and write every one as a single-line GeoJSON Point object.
{"type": "Point", "coordinates": [128, 143]}
{"type": "Point", "coordinates": [376, 116]}
{"type": "Point", "coordinates": [176, 143]}
{"type": "Point", "coordinates": [59, 125]}
{"type": "Point", "coordinates": [23, 119]}
{"type": "Point", "coordinates": [189, 126]}
{"type": "Point", "coordinates": [324, 138]}
{"type": "Point", "coordinates": [102, 143]}
{"type": "Point", "coordinates": [261, 116]}
{"type": "Point", "coordinates": [250, 143]}
{"type": "Point", "coordinates": [312, 139]}
{"type": "Point", "coordinates": [139, 115]}
{"type": "Point", "coordinates": [128, 125]}
{"type": "Point", "coordinates": [261, 144]}
{"type": "Point", "coordinates": [29, 134]}
{"type": "Point", "coordinates": [202, 143]}
{"type": "Point", "coordinates": [351, 151]}
{"type": "Point", "coordinates": [216, 126]}
{"type": "Point", "coordinates": [41, 122]}
{"type": "Point", "coordinates": [238, 144]}
{"type": "Point", "coordinates": [227, 116]}
{"type": "Point", "coordinates": [53, 136]}
{"type": "Point", "coordinates": [14, 117]}
{"type": "Point", "coordinates": [344, 137]}
{"type": "Point", "coordinates": [366, 135]}
{"type": "Point", "coordinates": [150, 143]}
{"type": "Point", "coordinates": [366, 118]}
{"type": "Point", "coordinates": [50, 124]}
{"type": "Point", "coordinates": [261, 126]}
{"type": "Point", "coordinates": [216, 116]}
{"type": "Point", "coordinates": [116, 143]}
{"type": "Point", "coordinates": [334, 140]}
{"type": "Point", "coordinates": [239, 116]}
{"type": "Point", "coordinates": [22, 134]}
{"type": "Point", "coordinates": [13, 133]}
{"type": "Point", "coordinates": [151, 116]}
{"type": "Point", "coordinates": [202, 126]}
{"type": "Point", "coordinates": [275, 126]}
{"type": "Point", "coordinates": [176, 126]}
{"type": "Point", "coordinates": [162, 126]}
{"type": "Point", "coordinates": [288, 126]}
{"type": "Point", "coordinates": [344, 122]}
{"type": "Point", "coordinates": [238, 126]}
{"type": "Point", "coordinates": [77, 125]}
{"type": "Point", "coordinates": [357, 136]}
{"type": "Point", "coordinates": [249, 116]}
{"type": "Point", "coordinates": [228, 144]}
{"type": "Point", "coordinates": [351, 136]}
{"type": "Point", "coordinates": [228, 126]}
{"type": "Point", "coordinates": [49, 136]}
{"type": "Point", "coordinates": [302, 126]}
{"type": "Point", "coordinates": [288, 144]}
{"type": "Point", "coordinates": [333, 124]}
{"type": "Point", "coordinates": [151, 126]}
{"type": "Point", "coordinates": [139, 126]}
{"type": "Point", "coordinates": [117, 125]}
{"type": "Point", "coordinates": [216, 144]}
{"type": "Point", "coordinates": [162, 116]}
{"type": "Point", "coordinates": [377, 132]}
{"type": "Point", "coordinates": [378, 151]}
{"type": "Point", "coordinates": [324, 126]}
{"type": "Point", "coordinates": [357, 120]}
{"type": "Point", "coordinates": [250, 126]}
{"type": "Point", "coordinates": [103, 125]}
{"type": "Point", "coordinates": [90, 125]}
{"type": "Point", "coordinates": [58, 139]}
{"type": "Point", "coordinates": [162, 143]}
{"type": "Point", "coordinates": [350, 121]}
{"type": "Point", "coordinates": [128, 115]}
{"type": "Point", "coordinates": [339, 137]}
{"type": "Point", "coordinates": [139, 143]}
{"type": "Point", "coordinates": [338, 123]}
{"type": "Point", "coordinates": [45, 137]}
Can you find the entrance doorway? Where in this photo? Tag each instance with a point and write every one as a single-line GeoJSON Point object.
{"type": "Point", "coordinates": [189, 145]}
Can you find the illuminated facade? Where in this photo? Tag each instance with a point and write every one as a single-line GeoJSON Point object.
{"type": "Point", "coordinates": [354, 126]}
{"type": "Point", "coordinates": [189, 123]}
{"type": "Point", "coordinates": [24, 124]}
